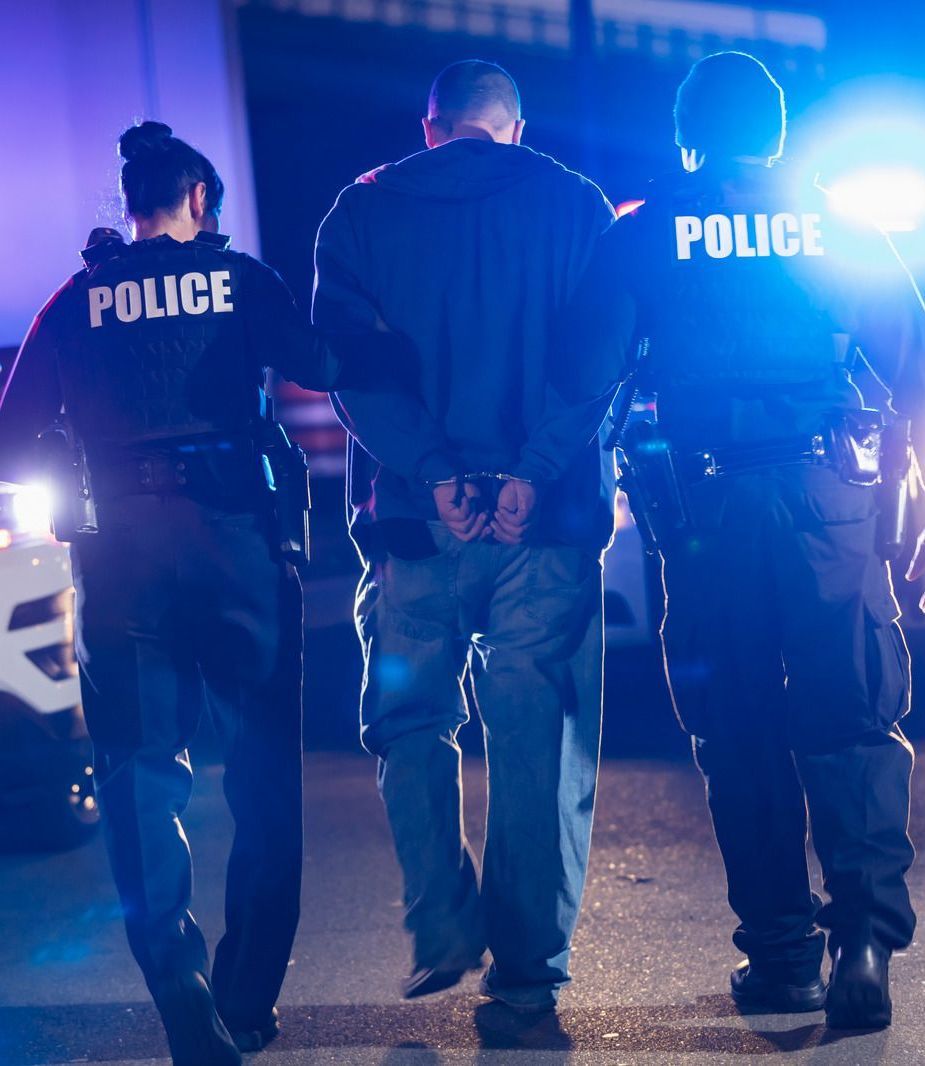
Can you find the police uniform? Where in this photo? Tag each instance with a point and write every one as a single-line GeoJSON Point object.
{"type": "Point", "coordinates": [782, 648]}
{"type": "Point", "coordinates": [160, 349]}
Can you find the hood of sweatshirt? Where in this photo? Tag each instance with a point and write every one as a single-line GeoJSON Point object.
{"type": "Point", "coordinates": [464, 169]}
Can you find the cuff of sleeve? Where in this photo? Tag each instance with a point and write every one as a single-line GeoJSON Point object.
{"type": "Point", "coordinates": [532, 472]}
{"type": "Point", "coordinates": [436, 466]}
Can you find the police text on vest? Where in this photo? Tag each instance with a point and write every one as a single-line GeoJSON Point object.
{"type": "Point", "coordinates": [191, 294]}
{"type": "Point", "coordinates": [748, 236]}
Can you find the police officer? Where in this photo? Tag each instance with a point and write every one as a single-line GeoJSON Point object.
{"type": "Point", "coordinates": [783, 653]}
{"type": "Point", "coordinates": [160, 347]}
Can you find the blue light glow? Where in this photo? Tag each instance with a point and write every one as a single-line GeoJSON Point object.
{"type": "Point", "coordinates": [892, 198]}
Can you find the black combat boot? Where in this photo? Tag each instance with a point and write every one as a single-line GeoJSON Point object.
{"type": "Point", "coordinates": [760, 993]}
{"type": "Point", "coordinates": [859, 989]}
{"type": "Point", "coordinates": [196, 1034]}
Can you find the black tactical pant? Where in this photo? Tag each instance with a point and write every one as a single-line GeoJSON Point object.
{"type": "Point", "coordinates": [176, 600]}
{"type": "Point", "coordinates": [788, 667]}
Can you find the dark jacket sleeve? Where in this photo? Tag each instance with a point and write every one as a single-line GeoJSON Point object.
{"type": "Point", "coordinates": [383, 414]}
{"type": "Point", "coordinates": [890, 331]}
{"type": "Point", "coordinates": [593, 332]}
{"type": "Point", "coordinates": [30, 392]}
{"type": "Point", "coordinates": [282, 336]}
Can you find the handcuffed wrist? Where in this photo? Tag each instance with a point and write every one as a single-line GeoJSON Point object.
{"type": "Point", "coordinates": [437, 468]}
{"type": "Point", "coordinates": [480, 475]}
{"type": "Point", "coordinates": [529, 473]}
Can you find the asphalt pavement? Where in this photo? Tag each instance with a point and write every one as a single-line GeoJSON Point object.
{"type": "Point", "coordinates": [651, 959]}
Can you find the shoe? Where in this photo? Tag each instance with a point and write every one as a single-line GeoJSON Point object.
{"type": "Point", "coordinates": [256, 1039]}
{"type": "Point", "coordinates": [546, 1005]}
{"type": "Point", "coordinates": [425, 980]}
{"type": "Point", "coordinates": [761, 995]}
{"type": "Point", "coordinates": [196, 1034]}
{"type": "Point", "coordinates": [859, 989]}
{"type": "Point", "coordinates": [502, 1029]}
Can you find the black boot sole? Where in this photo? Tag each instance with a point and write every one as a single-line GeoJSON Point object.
{"type": "Point", "coordinates": [865, 1009]}
{"type": "Point", "coordinates": [859, 990]}
{"type": "Point", "coordinates": [780, 1005]}
{"type": "Point", "coordinates": [782, 999]}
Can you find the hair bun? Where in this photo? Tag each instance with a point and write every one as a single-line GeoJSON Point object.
{"type": "Point", "coordinates": [147, 137]}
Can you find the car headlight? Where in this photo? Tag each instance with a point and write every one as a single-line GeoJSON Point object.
{"type": "Point", "coordinates": [25, 514]}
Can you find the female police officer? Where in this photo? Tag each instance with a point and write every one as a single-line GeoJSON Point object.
{"type": "Point", "coordinates": [159, 348]}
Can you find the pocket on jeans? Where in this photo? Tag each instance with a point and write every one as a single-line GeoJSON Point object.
{"type": "Point", "coordinates": [418, 591]}
{"type": "Point", "coordinates": [560, 582]}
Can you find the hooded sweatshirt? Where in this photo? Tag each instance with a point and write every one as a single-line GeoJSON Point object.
{"type": "Point", "coordinates": [472, 252]}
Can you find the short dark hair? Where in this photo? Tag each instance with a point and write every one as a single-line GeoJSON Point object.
{"type": "Point", "coordinates": [474, 88]}
{"type": "Point", "coordinates": [730, 105]}
{"type": "Point", "coordinates": [160, 169]}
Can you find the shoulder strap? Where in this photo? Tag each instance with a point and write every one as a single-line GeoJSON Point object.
{"type": "Point", "coordinates": [213, 240]}
{"type": "Point", "coordinates": [102, 244]}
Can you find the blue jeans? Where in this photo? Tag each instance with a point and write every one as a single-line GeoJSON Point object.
{"type": "Point", "coordinates": [526, 623]}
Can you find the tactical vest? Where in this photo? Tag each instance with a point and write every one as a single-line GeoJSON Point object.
{"type": "Point", "coordinates": [152, 343]}
{"type": "Point", "coordinates": [732, 293]}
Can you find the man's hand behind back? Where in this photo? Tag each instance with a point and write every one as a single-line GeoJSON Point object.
{"type": "Point", "coordinates": [516, 512]}
{"type": "Point", "coordinates": [461, 513]}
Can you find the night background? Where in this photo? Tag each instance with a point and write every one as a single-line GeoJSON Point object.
{"type": "Point", "coordinates": [335, 89]}
{"type": "Point", "coordinates": [293, 99]}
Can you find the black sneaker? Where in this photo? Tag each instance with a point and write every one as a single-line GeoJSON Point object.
{"type": "Point", "coordinates": [255, 1039]}
{"type": "Point", "coordinates": [545, 1004]}
{"type": "Point", "coordinates": [196, 1034]}
{"type": "Point", "coordinates": [762, 995]}
{"type": "Point", "coordinates": [426, 980]}
{"type": "Point", "coordinates": [859, 989]}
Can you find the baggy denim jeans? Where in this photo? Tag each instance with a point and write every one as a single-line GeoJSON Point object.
{"type": "Point", "coordinates": [525, 623]}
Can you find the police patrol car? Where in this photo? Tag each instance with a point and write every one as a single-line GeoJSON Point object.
{"type": "Point", "coordinates": [46, 788]}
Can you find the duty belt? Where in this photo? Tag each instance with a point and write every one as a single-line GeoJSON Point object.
{"type": "Point", "coordinates": [158, 475]}
{"type": "Point", "coordinates": [856, 444]}
{"type": "Point", "coordinates": [178, 473]}
{"type": "Point", "coordinates": [723, 462]}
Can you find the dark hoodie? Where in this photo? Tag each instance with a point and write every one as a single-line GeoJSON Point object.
{"type": "Point", "coordinates": [472, 252]}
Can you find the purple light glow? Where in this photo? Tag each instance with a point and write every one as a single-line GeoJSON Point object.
{"type": "Point", "coordinates": [72, 77]}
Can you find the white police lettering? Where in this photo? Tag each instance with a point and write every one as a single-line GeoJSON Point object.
{"type": "Point", "coordinates": [717, 236]}
{"type": "Point", "coordinates": [221, 289]}
{"type": "Point", "coordinates": [151, 308]}
{"type": "Point", "coordinates": [100, 301]}
{"type": "Point", "coordinates": [162, 297]}
{"type": "Point", "coordinates": [749, 236]}
{"type": "Point", "coordinates": [128, 301]}
{"type": "Point", "coordinates": [194, 300]}
{"type": "Point", "coordinates": [171, 299]}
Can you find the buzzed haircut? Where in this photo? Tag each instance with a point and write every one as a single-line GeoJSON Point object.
{"type": "Point", "coordinates": [474, 89]}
